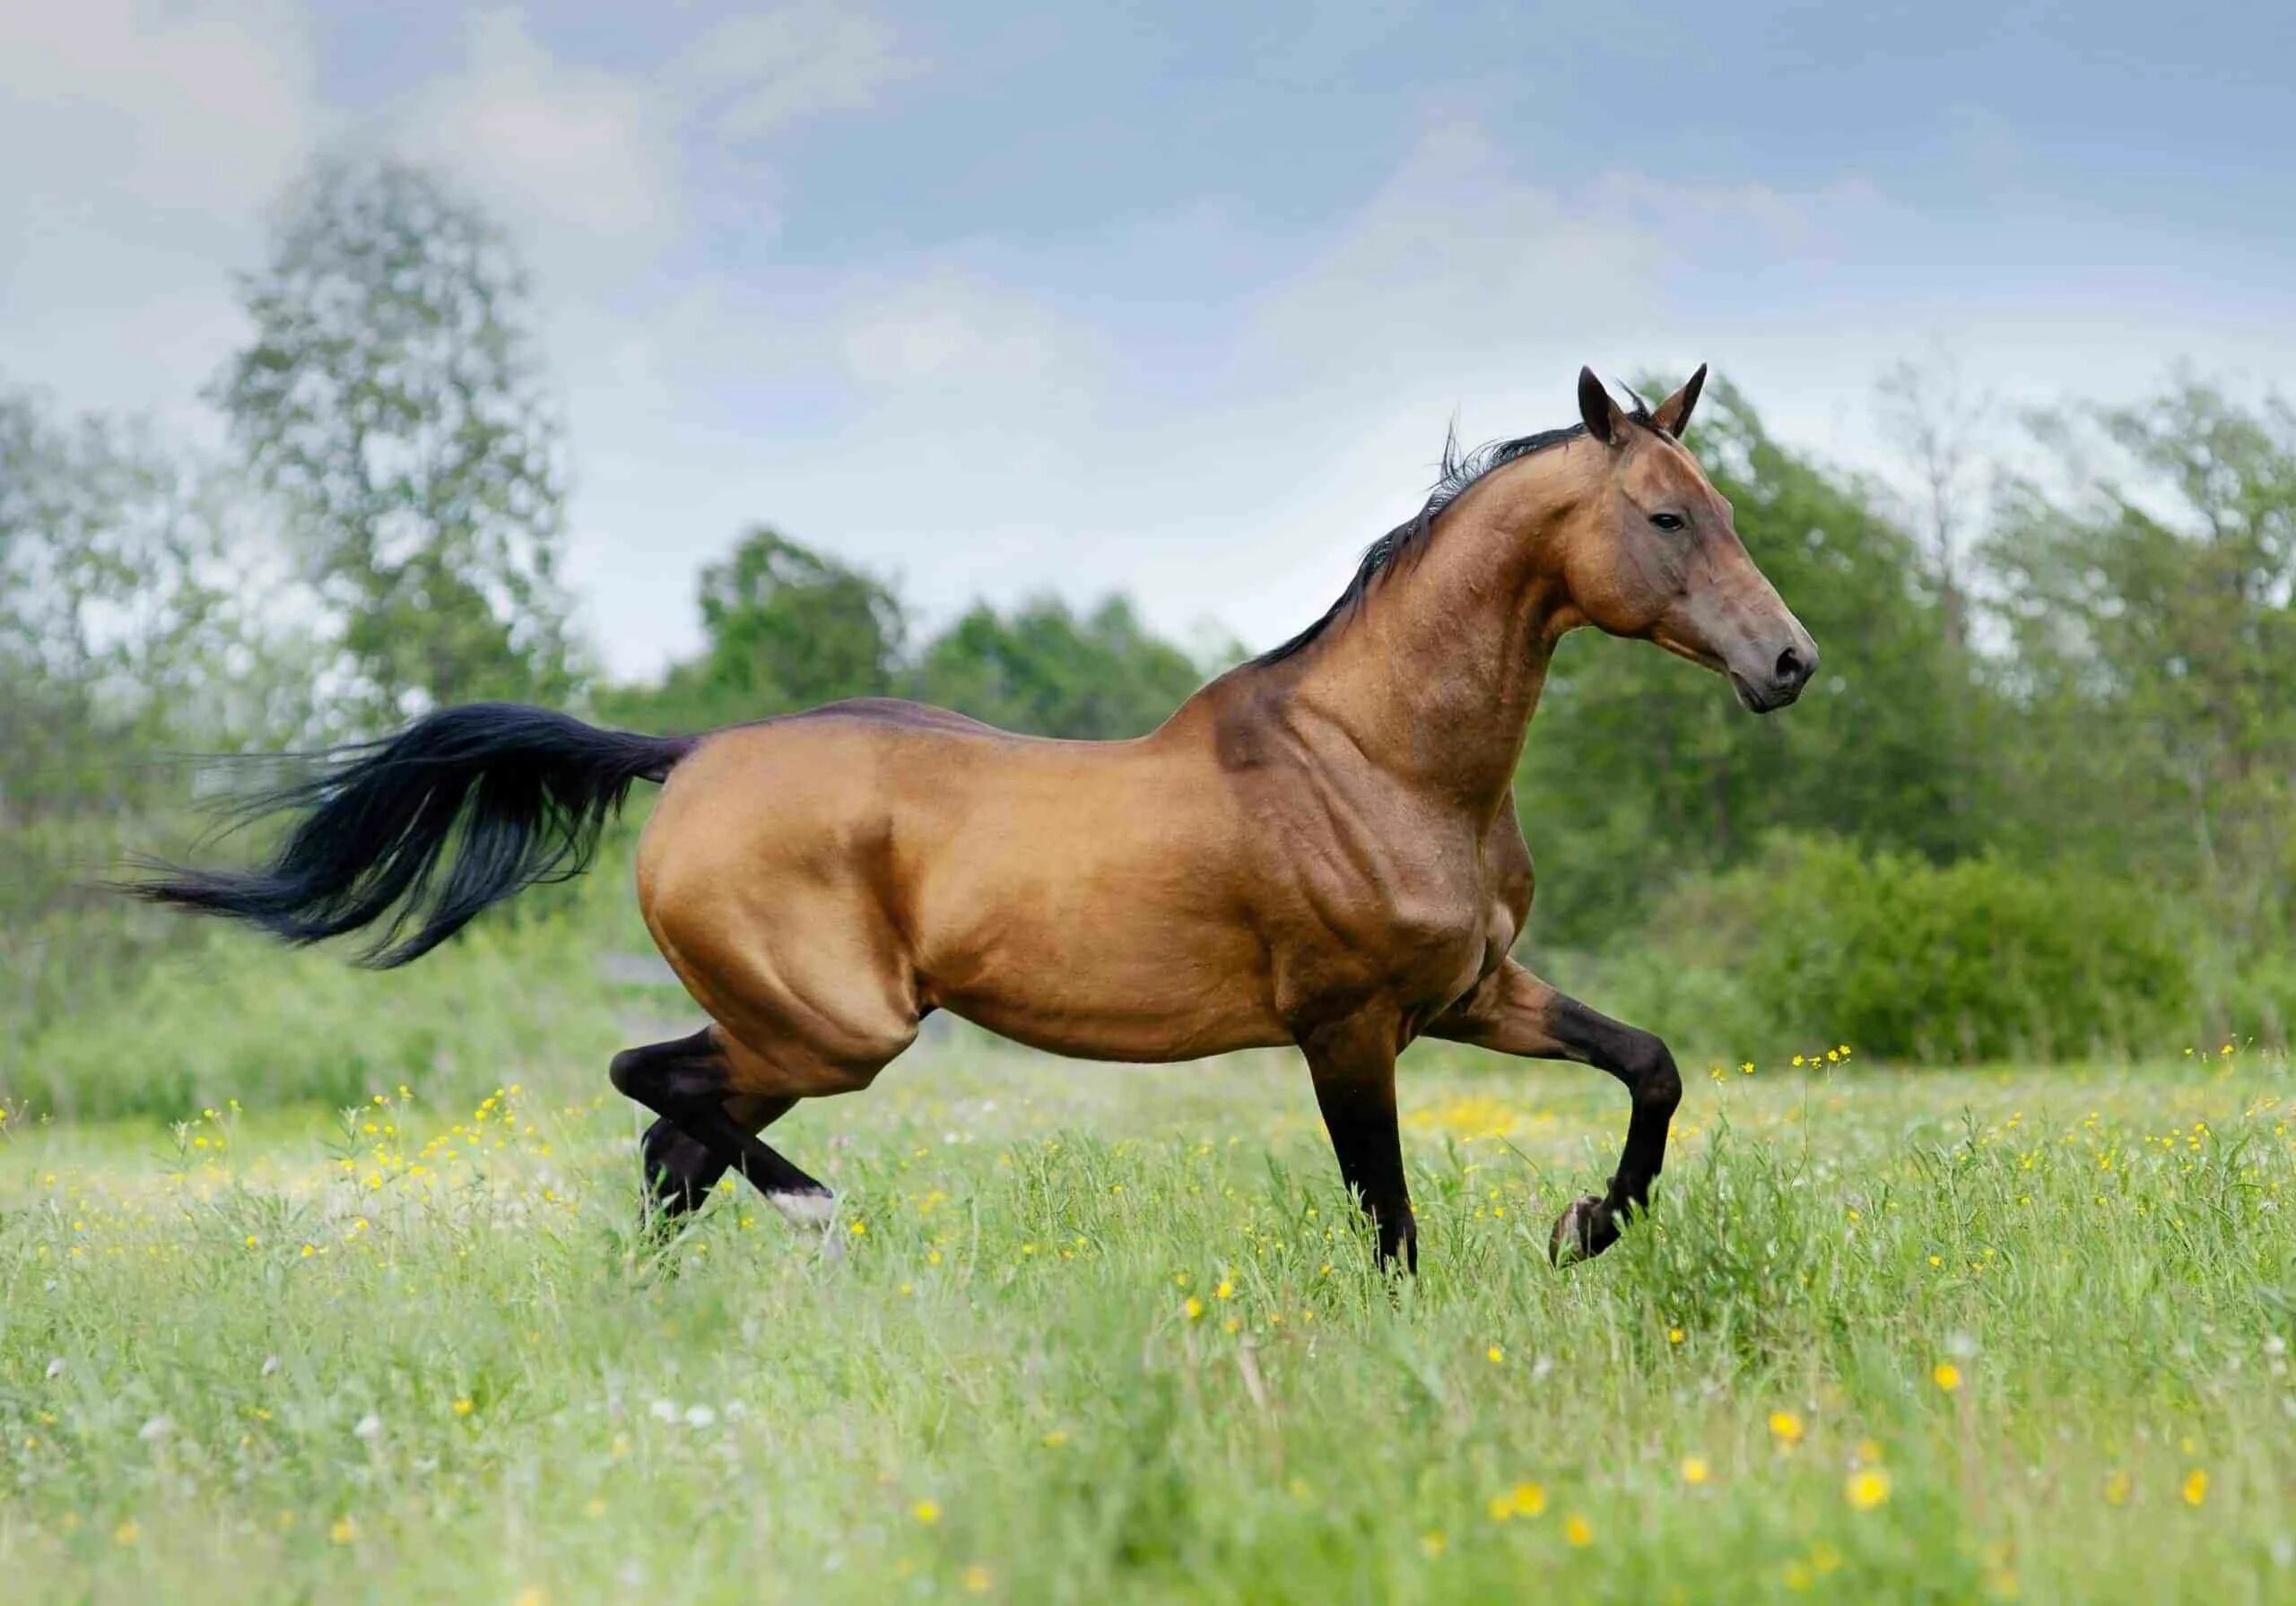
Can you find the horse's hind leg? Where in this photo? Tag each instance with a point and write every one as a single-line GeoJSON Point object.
{"type": "Point", "coordinates": [681, 1169]}
{"type": "Point", "coordinates": [688, 1083]}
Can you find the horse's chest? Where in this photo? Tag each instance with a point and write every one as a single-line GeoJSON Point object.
{"type": "Point", "coordinates": [1418, 916]}
{"type": "Point", "coordinates": [1392, 896]}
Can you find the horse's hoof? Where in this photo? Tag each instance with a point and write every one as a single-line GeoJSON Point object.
{"type": "Point", "coordinates": [815, 1216]}
{"type": "Point", "coordinates": [1581, 1232]}
{"type": "Point", "coordinates": [679, 1171]}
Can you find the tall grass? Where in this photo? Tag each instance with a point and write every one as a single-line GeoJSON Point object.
{"type": "Point", "coordinates": [1104, 1334]}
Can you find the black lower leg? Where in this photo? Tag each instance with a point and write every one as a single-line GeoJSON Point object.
{"type": "Point", "coordinates": [681, 1169]}
{"type": "Point", "coordinates": [1642, 1063]}
{"type": "Point", "coordinates": [704, 1129]}
{"type": "Point", "coordinates": [1357, 1096]}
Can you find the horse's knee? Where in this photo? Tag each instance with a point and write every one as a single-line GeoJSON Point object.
{"type": "Point", "coordinates": [631, 1073]}
{"type": "Point", "coordinates": [662, 1075]}
{"type": "Point", "coordinates": [1650, 1065]}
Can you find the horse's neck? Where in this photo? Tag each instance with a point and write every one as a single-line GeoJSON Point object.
{"type": "Point", "coordinates": [1435, 675]}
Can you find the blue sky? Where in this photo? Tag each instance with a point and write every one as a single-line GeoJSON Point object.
{"type": "Point", "coordinates": [1176, 298]}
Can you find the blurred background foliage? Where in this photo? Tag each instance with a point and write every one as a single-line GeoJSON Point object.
{"type": "Point", "coordinates": [2041, 803]}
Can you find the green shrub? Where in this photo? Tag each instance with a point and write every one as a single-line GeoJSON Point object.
{"type": "Point", "coordinates": [2257, 1004]}
{"type": "Point", "coordinates": [1978, 960]}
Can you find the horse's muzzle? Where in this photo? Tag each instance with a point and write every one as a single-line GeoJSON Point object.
{"type": "Point", "coordinates": [1781, 678]}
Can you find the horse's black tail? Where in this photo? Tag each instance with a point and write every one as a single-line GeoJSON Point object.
{"type": "Point", "coordinates": [519, 795]}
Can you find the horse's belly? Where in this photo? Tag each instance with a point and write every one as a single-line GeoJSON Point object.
{"type": "Point", "coordinates": [1099, 994]}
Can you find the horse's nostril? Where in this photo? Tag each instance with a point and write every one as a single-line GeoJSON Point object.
{"type": "Point", "coordinates": [1790, 667]}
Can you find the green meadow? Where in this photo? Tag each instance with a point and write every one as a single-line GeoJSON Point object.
{"type": "Point", "coordinates": [1089, 1332]}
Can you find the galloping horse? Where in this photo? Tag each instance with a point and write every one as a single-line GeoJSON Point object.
{"type": "Point", "coordinates": [1318, 847]}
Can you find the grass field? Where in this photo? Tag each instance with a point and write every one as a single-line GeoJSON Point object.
{"type": "Point", "coordinates": [1102, 1333]}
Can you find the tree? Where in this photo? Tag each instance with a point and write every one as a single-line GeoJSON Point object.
{"type": "Point", "coordinates": [787, 628]}
{"type": "Point", "coordinates": [121, 643]}
{"type": "Point", "coordinates": [1046, 672]}
{"type": "Point", "coordinates": [2153, 617]}
{"type": "Point", "coordinates": [390, 400]}
{"type": "Point", "coordinates": [101, 604]}
{"type": "Point", "coordinates": [1941, 428]}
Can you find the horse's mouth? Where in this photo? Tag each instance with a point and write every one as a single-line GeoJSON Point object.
{"type": "Point", "coordinates": [1759, 701]}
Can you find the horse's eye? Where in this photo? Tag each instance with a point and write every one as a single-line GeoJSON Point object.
{"type": "Point", "coordinates": [1667, 521]}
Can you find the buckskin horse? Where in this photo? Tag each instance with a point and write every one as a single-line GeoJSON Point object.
{"type": "Point", "coordinates": [1319, 847]}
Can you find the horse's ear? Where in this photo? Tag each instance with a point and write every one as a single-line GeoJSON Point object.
{"type": "Point", "coordinates": [1604, 419]}
{"type": "Point", "coordinates": [1673, 414]}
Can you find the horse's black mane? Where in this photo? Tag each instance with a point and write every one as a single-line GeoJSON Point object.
{"type": "Point", "coordinates": [1405, 540]}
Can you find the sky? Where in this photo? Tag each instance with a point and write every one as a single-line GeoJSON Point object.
{"type": "Point", "coordinates": [1175, 299]}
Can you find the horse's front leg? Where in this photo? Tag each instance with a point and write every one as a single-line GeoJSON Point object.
{"type": "Point", "coordinates": [1353, 1063]}
{"type": "Point", "coordinates": [1515, 1012]}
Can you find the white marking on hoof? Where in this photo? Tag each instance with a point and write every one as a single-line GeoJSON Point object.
{"type": "Point", "coordinates": [1567, 1245]}
{"type": "Point", "coordinates": [815, 1211]}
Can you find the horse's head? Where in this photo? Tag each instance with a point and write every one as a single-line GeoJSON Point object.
{"type": "Point", "coordinates": [1653, 554]}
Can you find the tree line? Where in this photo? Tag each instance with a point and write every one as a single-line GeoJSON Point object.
{"type": "Point", "coordinates": [2043, 800]}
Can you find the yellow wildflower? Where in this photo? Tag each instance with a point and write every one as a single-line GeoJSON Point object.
{"type": "Point", "coordinates": [1694, 1468]}
{"type": "Point", "coordinates": [1946, 1375]}
{"type": "Point", "coordinates": [1577, 1531]}
{"type": "Point", "coordinates": [1867, 1489]}
{"type": "Point", "coordinates": [2195, 1488]}
{"type": "Point", "coordinates": [1525, 1499]}
{"type": "Point", "coordinates": [1786, 1427]}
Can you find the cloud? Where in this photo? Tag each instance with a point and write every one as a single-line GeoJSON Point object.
{"type": "Point", "coordinates": [139, 146]}
{"type": "Point", "coordinates": [1452, 256]}
{"type": "Point", "coordinates": [593, 166]}
{"type": "Point", "coordinates": [946, 334]}
{"type": "Point", "coordinates": [199, 110]}
{"type": "Point", "coordinates": [752, 76]}
{"type": "Point", "coordinates": [581, 161]}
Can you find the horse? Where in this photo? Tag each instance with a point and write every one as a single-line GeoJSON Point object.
{"type": "Point", "coordinates": [1318, 848]}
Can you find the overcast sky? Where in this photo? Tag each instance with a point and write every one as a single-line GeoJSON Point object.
{"type": "Point", "coordinates": [1011, 296]}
